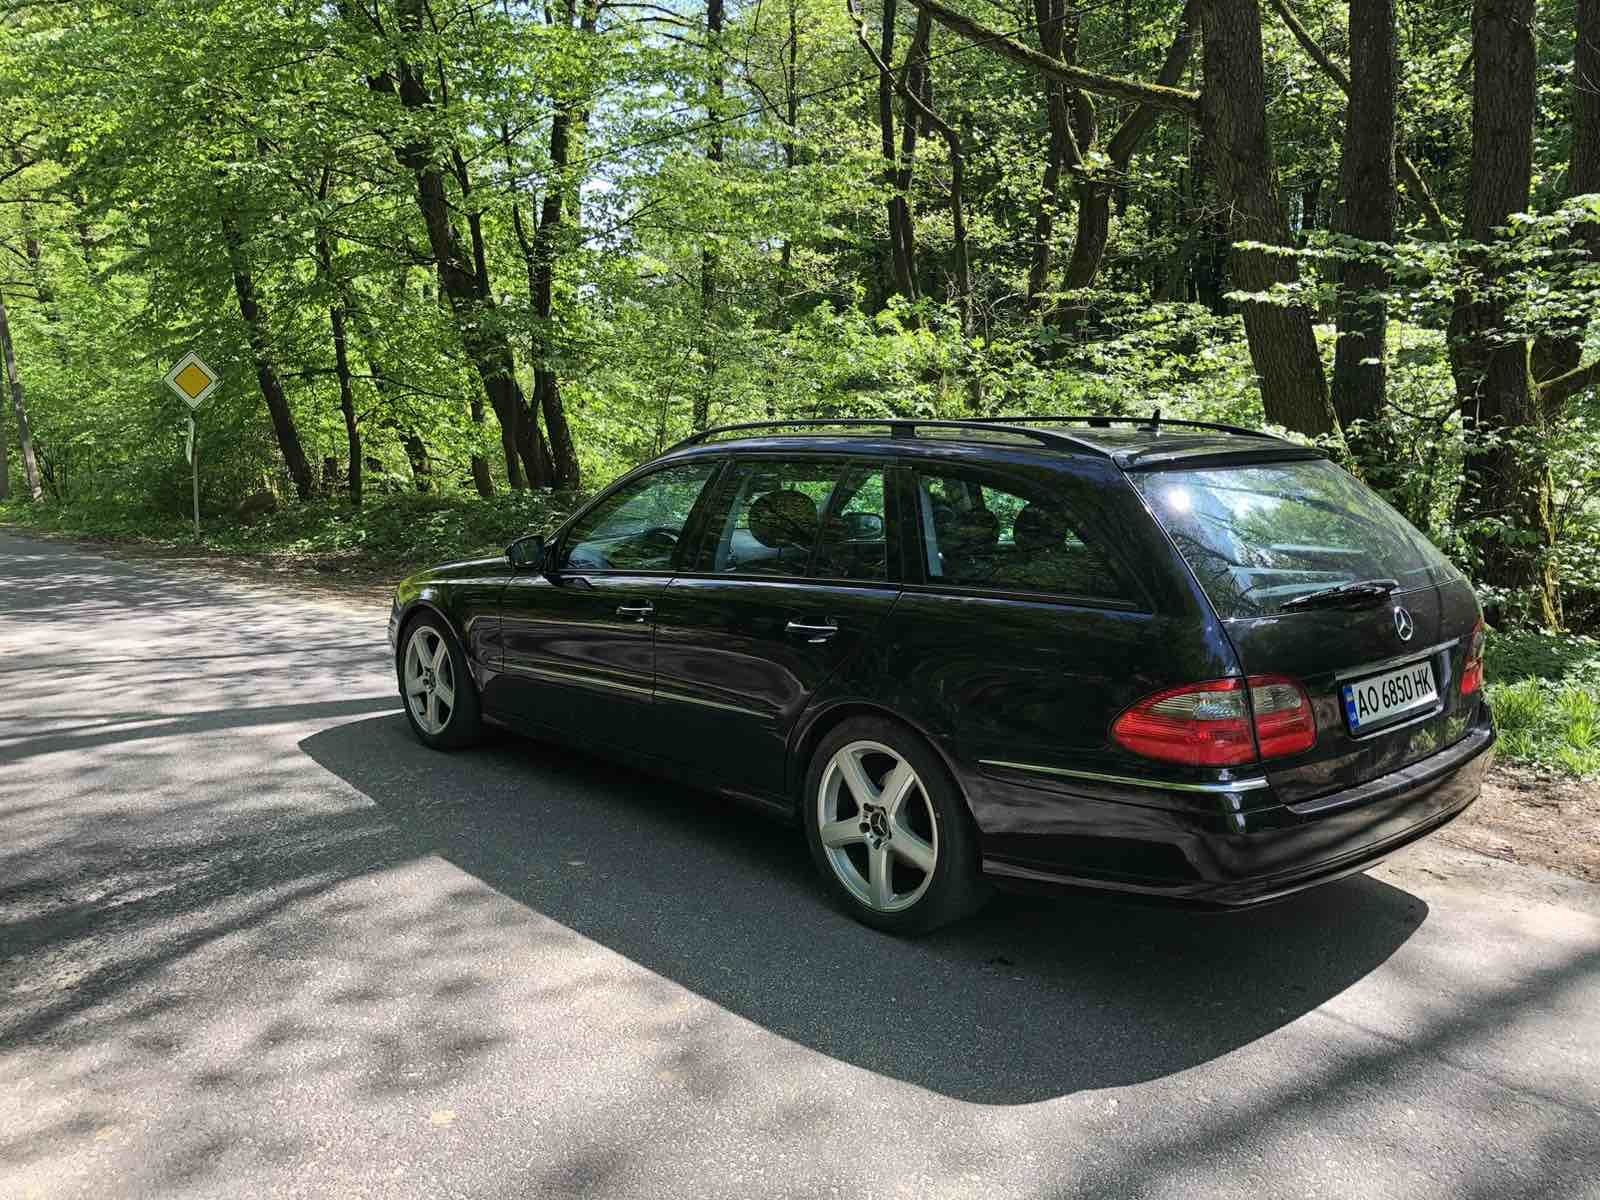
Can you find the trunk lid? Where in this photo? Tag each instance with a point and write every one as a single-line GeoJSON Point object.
{"type": "Point", "coordinates": [1261, 535]}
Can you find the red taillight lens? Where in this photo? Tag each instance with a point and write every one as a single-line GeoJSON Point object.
{"type": "Point", "coordinates": [1472, 669]}
{"type": "Point", "coordinates": [1209, 725]}
{"type": "Point", "coordinates": [1284, 721]}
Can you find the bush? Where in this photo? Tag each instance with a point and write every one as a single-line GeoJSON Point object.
{"type": "Point", "coordinates": [1545, 692]}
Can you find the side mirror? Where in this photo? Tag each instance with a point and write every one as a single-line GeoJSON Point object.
{"type": "Point", "coordinates": [527, 553]}
{"type": "Point", "coordinates": [863, 527]}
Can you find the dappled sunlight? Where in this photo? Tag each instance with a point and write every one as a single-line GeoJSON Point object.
{"type": "Point", "coordinates": [248, 924]}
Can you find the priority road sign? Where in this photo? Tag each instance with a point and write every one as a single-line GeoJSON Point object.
{"type": "Point", "coordinates": [192, 379]}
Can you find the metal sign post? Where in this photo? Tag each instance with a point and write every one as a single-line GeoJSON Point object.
{"type": "Point", "coordinates": [193, 381]}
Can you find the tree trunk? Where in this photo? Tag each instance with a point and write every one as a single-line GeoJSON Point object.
{"type": "Point", "coordinates": [1367, 205]}
{"type": "Point", "coordinates": [465, 284]}
{"type": "Point", "coordinates": [417, 455]}
{"type": "Point", "coordinates": [1094, 192]}
{"type": "Point", "coordinates": [896, 172]}
{"type": "Point", "coordinates": [347, 402]}
{"type": "Point", "coordinates": [791, 143]}
{"type": "Point", "coordinates": [1057, 34]}
{"type": "Point", "coordinates": [341, 366]}
{"type": "Point", "coordinates": [708, 256]}
{"type": "Point", "coordinates": [1561, 349]}
{"type": "Point", "coordinates": [539, 253]}
{"type": "Point", "coordinates": [920, 100]}
{"type": "Point", "coordinates": [19, 406]}
{"type": "Point", "coordinates": [283, 427]}
{"type": "Point", "coordinates": [1505, 484]}
{"type": "Point", "coordinates": [1583, 177]}
{"type": "Point", "coordinates": [1283, 348]}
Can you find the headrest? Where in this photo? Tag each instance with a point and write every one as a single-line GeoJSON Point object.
{"type": "Point", "coordinates": [784, 520]}
{"type": "Point", "coordinates": [1039, 528]}
{"type": "Point", "coordinates": [966, 532]}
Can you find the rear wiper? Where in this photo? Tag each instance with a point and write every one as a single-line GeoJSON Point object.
{"type": "Point", "coordinates": [1356, 592]}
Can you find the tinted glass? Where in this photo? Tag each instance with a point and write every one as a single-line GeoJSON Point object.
{"type": "Point", "coordinates": [1258, 535]}
{"type": "Point", "coordinates": [1011, 536]}
{"type": "Point", "coordinates": [818, 520]}
{"type": "Point", "coordinates": [637, 527]}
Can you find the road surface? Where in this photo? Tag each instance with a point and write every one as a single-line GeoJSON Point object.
{"type": "Point", "coordinates": [254, 941]}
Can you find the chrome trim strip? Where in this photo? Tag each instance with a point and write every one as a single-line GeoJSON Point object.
{"type": "Point", "coordinates": [1233, 785]}
{"type": "Point", "coordinates": [581, 680]}
{"type": "Point", "coordinates": [1398, 661]}
{"type": "Point", "coordinates": [733, 708]}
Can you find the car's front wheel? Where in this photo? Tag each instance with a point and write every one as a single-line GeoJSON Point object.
{"type": "Point", "coordinates": [888, 829]}
{"type": "Point", "coordinates": [436, 685]}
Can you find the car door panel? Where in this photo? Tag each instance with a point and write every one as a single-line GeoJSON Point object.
{"type": "Point", "coordinates": [578, 637]}
{"type": "Point", "coordinates": [577, 653]}
{"type": "Point", "coordinates": [737, 660]}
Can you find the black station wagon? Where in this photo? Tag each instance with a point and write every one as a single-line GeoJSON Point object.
{"type": "Point", "coordinates": [1148, 657]}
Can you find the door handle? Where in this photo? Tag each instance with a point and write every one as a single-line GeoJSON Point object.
{"type": "Point", "coordinates": [637, 611]}
{"type": "Point", "coordinates": [811, 633]}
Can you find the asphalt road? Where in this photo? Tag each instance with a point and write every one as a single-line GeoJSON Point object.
{"type": "Point", "coordinates": [254, 941]}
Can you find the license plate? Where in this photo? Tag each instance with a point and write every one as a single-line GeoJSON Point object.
{"type": "Point", "coordinates": [1379, 698]}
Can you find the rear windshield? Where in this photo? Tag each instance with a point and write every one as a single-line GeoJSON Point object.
{"type": "Point", "coordinates": [1261, 534]}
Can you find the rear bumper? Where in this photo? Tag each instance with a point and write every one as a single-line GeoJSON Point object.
{"type": "Point", "coordinates": [1227, 856]}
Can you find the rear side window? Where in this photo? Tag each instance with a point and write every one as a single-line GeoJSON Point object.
{"type": "Point", "coordinates": [1258, 535]}
{"type": "Point", "coordinates": [800, 519]}
{"type": "Point", "coordinates": [1008, 535]}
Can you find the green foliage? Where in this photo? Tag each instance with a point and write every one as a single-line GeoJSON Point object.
{"type": "Point", "coordinates": [752, 287]}
{"type": "Point", "coordinates": [391, 536]}
{"type": "Point", "coordinates": [1545, 691]}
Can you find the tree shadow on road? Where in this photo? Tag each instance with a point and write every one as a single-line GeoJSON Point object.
{"type": "Point", "coordinates": [1031, 1000]}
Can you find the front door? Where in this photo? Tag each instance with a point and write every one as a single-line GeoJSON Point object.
{"type": "Point", "coordinates": [579, 638]}
{"type": "Point", "coordinates": [793, 575]}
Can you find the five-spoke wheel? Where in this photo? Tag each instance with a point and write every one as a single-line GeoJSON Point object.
{"type": "Point", "coordinates": [888, 828]}
{"type": "Point", "coordinates": [877, 825]}
{"type": "Point", "coordinates": [441, 701]}
{"type": "Point", "coordinates": [430, 679]}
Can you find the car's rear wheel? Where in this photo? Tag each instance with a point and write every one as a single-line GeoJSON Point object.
{"type": "Point", "coordinates": [440, 698]}
{"type": "Point", "coordinates": [888, 830]}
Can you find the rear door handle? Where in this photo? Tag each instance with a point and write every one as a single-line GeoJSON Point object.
{"type": "Point", "coordinates": [637, 611]}
{"type": "Point", "coordinates": [811, 633]}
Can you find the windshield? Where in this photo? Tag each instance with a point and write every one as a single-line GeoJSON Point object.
{"type": "Point", "coordinates": [1258, 535]}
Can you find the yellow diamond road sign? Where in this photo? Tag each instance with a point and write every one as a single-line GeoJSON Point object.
{"type": "Point", "coordinates": [192, 379]}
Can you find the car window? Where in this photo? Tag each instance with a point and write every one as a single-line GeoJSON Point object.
{"type": "Point", "coordinates": [810, 519]}
{"type": "Point", "coordinates": [1256, 535]}
{"type": "Point", "coordinates": [1011, 536]}
{"type": "Point", "coordinates": [637, 527]}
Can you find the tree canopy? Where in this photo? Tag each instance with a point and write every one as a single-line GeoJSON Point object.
{"type": "Point", "coordinates": [469, 246]}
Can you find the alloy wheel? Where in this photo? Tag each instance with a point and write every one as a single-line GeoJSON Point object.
{"type": "Point", "coordinates": [430, 680]}
{"type": "Point", "coordinates": [877, 826]}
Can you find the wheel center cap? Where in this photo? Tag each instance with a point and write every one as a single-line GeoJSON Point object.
{"type": "Point", "coordinates": [428, 680]}
{"type": "Point", "coordinates": [879, 823]}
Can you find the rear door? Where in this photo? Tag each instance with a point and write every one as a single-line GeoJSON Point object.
{"type": "Point", "coordinates": [1383, 672]}
{"type": "Point", "coordinates": [795, 574]}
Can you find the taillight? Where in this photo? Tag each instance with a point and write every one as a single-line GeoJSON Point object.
{"type": "Point", "coordinates": [1284, 721]}
{"type": "Point", "coordinates": [1472, 669]}
{"type": "Point", "coordinates": [1209, 724]}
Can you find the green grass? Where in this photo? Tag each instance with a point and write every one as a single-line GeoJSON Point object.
{"type": "Point", "coordinates": [391, 533]}
{"type": "Point", "coordinates": [1545, 691]}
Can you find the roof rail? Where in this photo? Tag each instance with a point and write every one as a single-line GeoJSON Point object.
{"type": "Point", "coordinates": [1154, 422]}
{"type": "Point", "coordinates": [902, 427]}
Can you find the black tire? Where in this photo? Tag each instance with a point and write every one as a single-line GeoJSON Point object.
{"type": "Point", "coordinates": [955, 888]}
{"type": "Point", "coordinates": [464, 724]}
